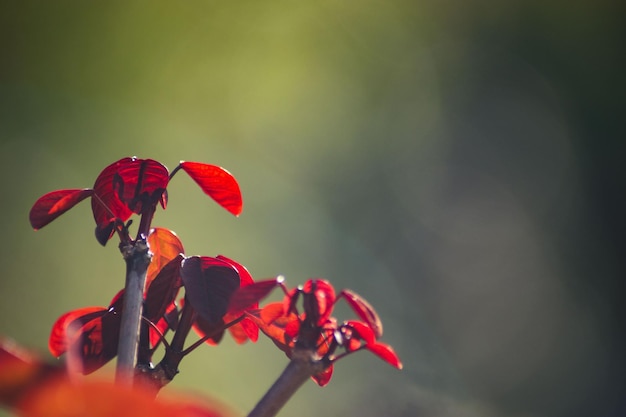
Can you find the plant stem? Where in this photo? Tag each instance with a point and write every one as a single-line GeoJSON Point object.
{"type": "Point", "coordinates": [303, 365]}
{"type": "Point", "coordinates": [137, 257]}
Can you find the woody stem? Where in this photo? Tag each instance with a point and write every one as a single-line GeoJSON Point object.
{"type": "Point", "coordinates": [137, 257]}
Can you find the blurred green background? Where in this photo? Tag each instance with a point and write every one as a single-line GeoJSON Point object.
{"type": "Point", "coordinates": [458, 164]}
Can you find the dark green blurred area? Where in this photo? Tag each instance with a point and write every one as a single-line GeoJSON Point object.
{"type": "Point", "coordinates": [460, 165]}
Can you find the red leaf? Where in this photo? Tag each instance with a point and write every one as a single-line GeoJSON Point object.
{"type": "Point", "coordinates": [105, 204]}
{"type": "Point", "coordinates": [51, 205]}
{"type": "Point", "coordinates": [163, 289]}
{"type": "Point", "coordinates": [217, 183]}
{"type": "Point", "coordinates": [364, 310]}
{"type": "Point", "coordinates": [127, 186]}
{"type": "Point", "coordinates": [386, 353]}
{"type": "Point", "coordinates": [244, 330]}
{"type": "Point", "coordinates": [249, 296]}
{"type": "Point", "coordinates": [209, 284]}
{"type": "Point", "coordinates": [66, 329]}
{"type": "Point", "coordinates": [363, 331]}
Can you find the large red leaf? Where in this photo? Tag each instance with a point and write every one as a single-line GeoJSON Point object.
{"type": "Point", "coordinates": [217, 183]}
{"type": "Point", "coordinates": [51, 205]}
{"type": "Point", "coordinates": [364, 310]}
{"type": "Point", "coordinates": [209, 284]}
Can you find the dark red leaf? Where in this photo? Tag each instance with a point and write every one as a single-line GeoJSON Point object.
{"type": "Point", "coordinates": [51, 205]}
{"type": "Point", "coordinates": [386, 353]}
{"type": "Point", "coordinates": [364, 310]}
{"type": "Point", "coordinates": [217, 183]}
{"type": "Point", "coordinates": [249, 296]}
{"type": "Point", "coordinates": [209, 284]}
{"type": "Point", "coordinates": [163, 289]}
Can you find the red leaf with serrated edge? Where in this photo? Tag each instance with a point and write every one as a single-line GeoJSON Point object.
{"type": "Point", "coordinates": [165, 246]}
{"type": "Point", "coordinates": [51, 205]}
{"type": "Point", "coordinates": [209, 284]}
{"type": "Point", "coordinates": [66, 329]}
{"type": "Point", "coordinates": [217, 183]}
{"type": "Point", "coordinates": [386, 353]}
{"type": "Point", "coordinates": [364, 310]}
{"type": "Point", "coordinates": [247, 297]}
{"type": "Point", "coordinates": [323, 378]}
{"type": "Point", "coordinates": [363, 331]}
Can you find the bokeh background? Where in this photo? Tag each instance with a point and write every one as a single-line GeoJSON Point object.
{"type": "Point", "coordinates": [458, 164]}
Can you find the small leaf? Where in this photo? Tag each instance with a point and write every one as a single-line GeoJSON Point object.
{"type": "Point", "coordinates": [386, 353]}
{"type": "Point", "coordinates": [363, 331]}
{"type": "Point", "coordinates": [51, 205]}
{"type": "Point", "coordinates": [364, 310]}
{"type": "Point", "coordinates": [217, 183]}
{"type": "Point", "coordinates": [209, 284]}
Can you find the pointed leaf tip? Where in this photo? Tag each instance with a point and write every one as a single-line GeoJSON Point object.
{"type": "Point", "coordinates": [217, 183]}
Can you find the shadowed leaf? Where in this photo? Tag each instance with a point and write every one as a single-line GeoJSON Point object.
{"type": "Point", "coordinates": [209, 284]}
{"type": "Point", "coordinates": [65, 329]}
